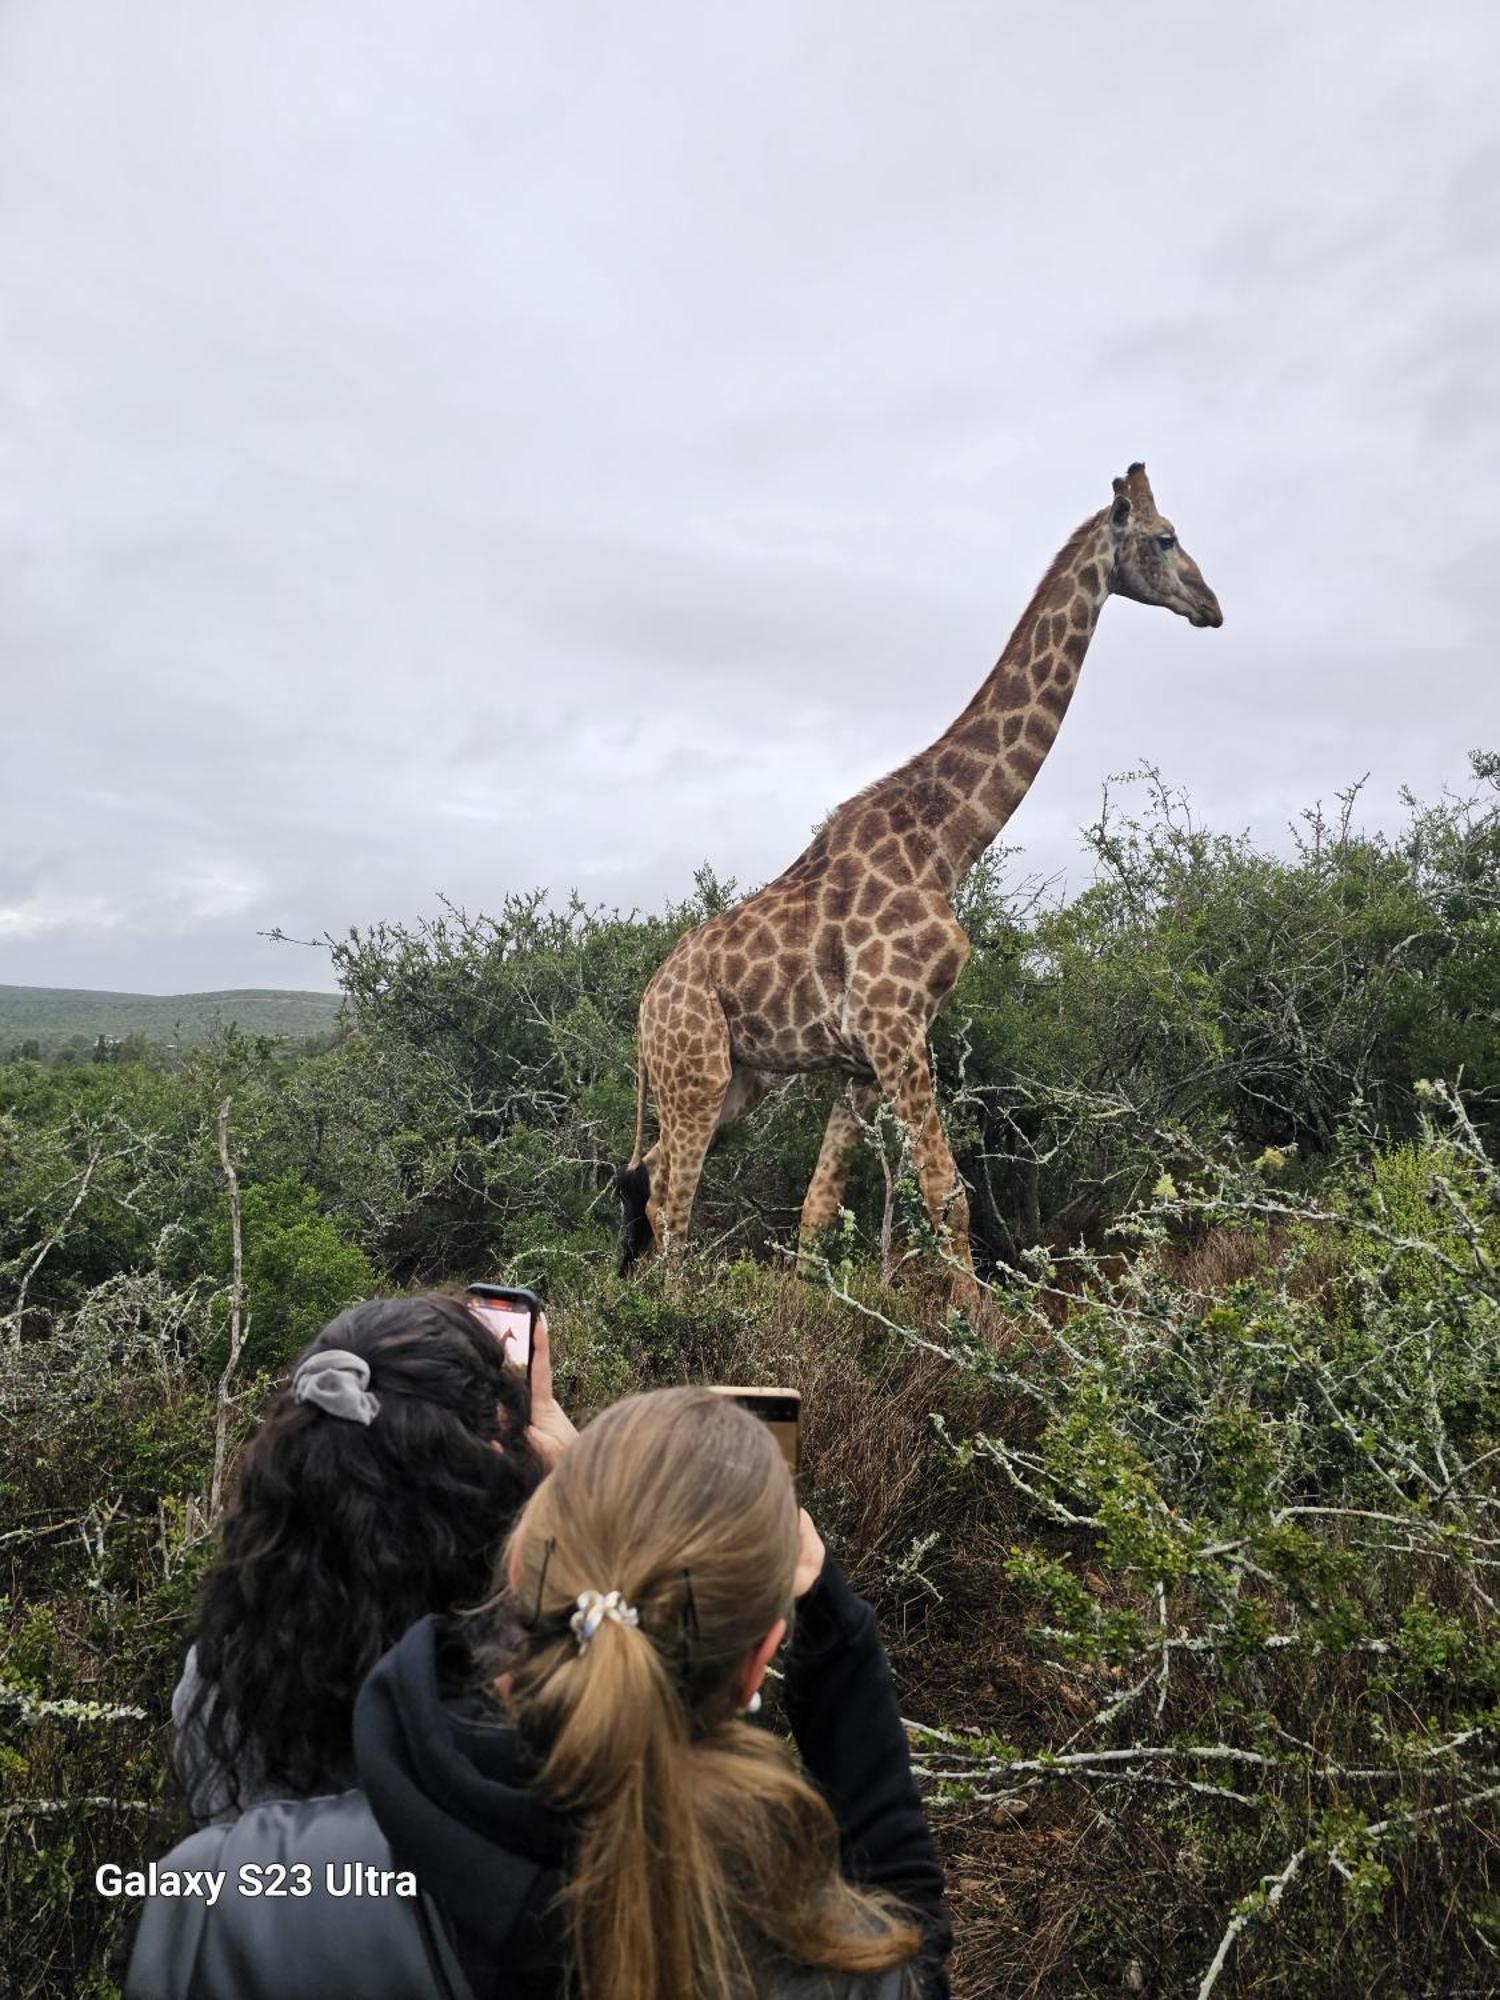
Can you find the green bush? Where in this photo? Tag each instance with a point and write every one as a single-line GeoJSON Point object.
{"type": "Point", "coordinates": [299, 1269]}
{"type": "Point", "coordinates": [1260, 1526]}
{"type": "Point", "coordinates": [1184, 1542]}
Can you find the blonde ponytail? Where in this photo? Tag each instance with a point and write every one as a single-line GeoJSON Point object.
{"type": "Point", "coordinates": [703, 1858]}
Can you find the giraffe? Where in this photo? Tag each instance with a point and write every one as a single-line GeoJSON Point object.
{"type": "Point", "coordinates": [842, 962]}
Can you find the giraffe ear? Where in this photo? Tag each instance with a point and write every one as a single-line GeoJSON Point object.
{"type": "Point", "coordinates": [1119, 513]}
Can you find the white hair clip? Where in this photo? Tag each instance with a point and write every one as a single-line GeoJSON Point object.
{"type": "Point", "coordinates": [594, 1606]}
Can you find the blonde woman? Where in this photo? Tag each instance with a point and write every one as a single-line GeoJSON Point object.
{"type": "Point", "coordinates": [614, 1827]}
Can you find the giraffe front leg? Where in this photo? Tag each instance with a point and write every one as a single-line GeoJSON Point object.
{"type": "Point", "coordinates": [852, 1109]}
{"type": "Point", "coordinates": [906, 1077]}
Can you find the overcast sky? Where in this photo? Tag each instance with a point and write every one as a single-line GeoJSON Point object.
{"type": "Point", "coordinates": [461, 446]}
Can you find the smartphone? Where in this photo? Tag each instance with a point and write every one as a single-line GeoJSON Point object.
{"type": "Point", "coordinates": [512, 1311]}
{"type": "Point", "coordinates": [781, 1409]}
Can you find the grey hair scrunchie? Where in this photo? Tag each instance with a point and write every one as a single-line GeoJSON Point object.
{"type": "Point", "coordinates": [335, 1380]}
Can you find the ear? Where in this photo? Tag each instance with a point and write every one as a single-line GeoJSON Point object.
{"type": "Point", "coordinates": [753, 1667]}
{"type": "Point", "coordinates": [1119, 514]}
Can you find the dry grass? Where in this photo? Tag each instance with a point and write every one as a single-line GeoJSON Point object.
{"type": "Point", "coordinates": [1223, 1257]}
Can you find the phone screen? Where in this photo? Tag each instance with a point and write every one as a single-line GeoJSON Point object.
{"type": "Point", "coordinates": [510, 1313]}
{"type": "Point", "coordinates": [512, 1325]}
{"type": "Point", "coordinates": [780, 1410]}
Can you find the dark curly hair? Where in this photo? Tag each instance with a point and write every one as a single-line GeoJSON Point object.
{"type": "Point", "coordinates": [342, 1535]}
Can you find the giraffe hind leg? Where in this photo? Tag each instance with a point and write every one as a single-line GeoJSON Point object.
{"type": "Point", "coordinates": [852, 1108]}
{"type": "Point", "coordinates": [906, 1078]}
{"type": "Point", "coordinates": [692, 1100]}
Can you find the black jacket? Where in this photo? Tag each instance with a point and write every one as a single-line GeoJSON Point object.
{"type": "Point", "coordinates": [452, 1796]}
{"type": "Point", "coordinates": [452, 1806]}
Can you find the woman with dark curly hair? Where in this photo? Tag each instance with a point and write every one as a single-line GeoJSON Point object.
{"type": "Point", "coordinates": [377, 1492]}
{"type": "Point", "coordinates": [378, 1489]}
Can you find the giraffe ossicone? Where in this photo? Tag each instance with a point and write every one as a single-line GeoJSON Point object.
{"type": "Point", "coordinates": [842, 962]}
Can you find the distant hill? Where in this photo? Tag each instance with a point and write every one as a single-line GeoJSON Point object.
{"type": "Point", "coordinates": [56, 1015]}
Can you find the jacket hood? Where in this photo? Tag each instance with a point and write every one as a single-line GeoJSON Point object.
{"type": "Point", "coordinates": [451, 1795]}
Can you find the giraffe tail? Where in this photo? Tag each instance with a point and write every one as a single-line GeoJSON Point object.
{"type": "Point", "coordinates": [633, 1185]}
{"type": "Point", "coordinates": [640, 1106]}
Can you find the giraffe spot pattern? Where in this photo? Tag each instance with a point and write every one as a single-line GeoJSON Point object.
{"type": "Point", "coordinates": [981, 735]}
{"type": "Point", "coordinates": [955, 769]}
{"type": "Point", "coordinates": [904, 909]}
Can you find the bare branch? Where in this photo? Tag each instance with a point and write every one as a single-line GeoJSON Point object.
{"type": "Point", "coordinates": [224, 1403]}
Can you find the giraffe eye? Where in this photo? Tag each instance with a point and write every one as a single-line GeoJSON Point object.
{"type": "Point", "coordinates": [1166, 541]}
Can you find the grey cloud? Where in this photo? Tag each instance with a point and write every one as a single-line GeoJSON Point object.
{"type": "Point", "coordinates": [467, 449]}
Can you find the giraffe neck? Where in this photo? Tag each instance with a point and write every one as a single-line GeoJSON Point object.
{"type": "Point", "coordinates": [981, 767]}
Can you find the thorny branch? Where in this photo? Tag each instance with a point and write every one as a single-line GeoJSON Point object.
{"type": "Point", "coordinates": [51, 1242]}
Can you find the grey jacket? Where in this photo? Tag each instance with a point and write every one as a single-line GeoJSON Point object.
{"type": "Point", "coordinates": [331, 1943]}
{"type": "Point", "coordinates": [263, 1938]}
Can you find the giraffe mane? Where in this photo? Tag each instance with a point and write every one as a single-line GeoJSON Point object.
{"type": "Point", "coordinates": [1060, 564]}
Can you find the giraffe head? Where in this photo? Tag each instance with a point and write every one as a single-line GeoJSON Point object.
{"type": "Point", "coordinates": [1151, 565]}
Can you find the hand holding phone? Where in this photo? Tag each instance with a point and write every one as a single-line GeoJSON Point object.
{"type": "Point", "coordinates": [511, 1312]}
{"type": "Point", "coordinates": [519, 1324]}
{"type": "Point", "coordinates": [551, 1430]}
